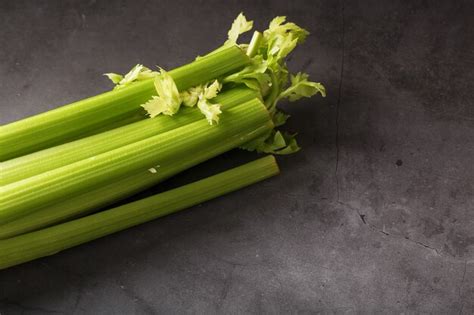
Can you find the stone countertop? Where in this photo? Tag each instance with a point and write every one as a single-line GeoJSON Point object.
{"type": "Point", "coordinates": [374, 215]}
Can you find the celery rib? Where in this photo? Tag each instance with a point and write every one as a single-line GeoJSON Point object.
{"type": "Point", "coordinates": [68, 122]}
{"type": "Point", "coordinates": [107, 194]}
{"type": "Point", "coordinates": [254, 44]}
{"type": "Point", "coordinates": [51, 158]}
{"type": "Point", "coordinates": [25, 196]}
{"type": "Point", "coordinates": [49, 241]}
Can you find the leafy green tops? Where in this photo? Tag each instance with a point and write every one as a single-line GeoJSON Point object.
{"type": "Point", "coordinates": [267, 74]}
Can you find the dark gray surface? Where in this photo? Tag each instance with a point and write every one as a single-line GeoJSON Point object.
{"type": "Point", "coordinates": [376, 214]}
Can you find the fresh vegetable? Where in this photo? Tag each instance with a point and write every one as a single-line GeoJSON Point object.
{"type": "Point", "coordinates": [26, 196]}
{"type": "Point", "coordinates": [51, 240]}
{"type": "Point", "coordinates": [267, 73]}
{"type": "Point", "coordinates": [70, 122]}
{"type": "Point", "coordinates": [104, 195]}
{"type": "Point", "coordinates": [58, 156]}
{"type": "Point", "coordinates": [85, 156]}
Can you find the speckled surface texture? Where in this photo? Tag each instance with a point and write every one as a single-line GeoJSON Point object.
{"type": "Point", "coordinates": [375, 215]}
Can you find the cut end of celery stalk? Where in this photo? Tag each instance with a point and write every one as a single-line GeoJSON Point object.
{"type": "Point", "coordinates": [49, 241]}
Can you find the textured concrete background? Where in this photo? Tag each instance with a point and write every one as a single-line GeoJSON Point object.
{"type": "Point", "coordinates": [375, 215]}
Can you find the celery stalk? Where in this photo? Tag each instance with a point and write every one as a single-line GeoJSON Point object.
{"type": "Point", "coordinates": [254, 44]}
{"type": "Point", "coordinates": [52, 240]}
{"type": "Point", "coordinates": [51, 158]}
{"type": "Point", "coordinates": [25, 196]}
{"type": "Point", "coordinates": [68, 122]}
{"type": "Point", "coordinates": [104, 195]}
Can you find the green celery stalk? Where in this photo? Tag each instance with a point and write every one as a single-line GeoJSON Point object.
{"type": "Point", "coordinates": [51, 158]}
{"type": "Point", "coordinates": [254, 44]}
{"type": "Point", "coordinates": [105, 195]}
{"type": "Point", "coordinates": [52, 240]}
{"type": "Point", "coordinates": [25, 196]}
{"type": "Point", "coordinates": [69, 122]}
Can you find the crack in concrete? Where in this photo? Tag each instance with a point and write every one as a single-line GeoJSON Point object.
{"type": "Point", "coordinates": [339, 102]}
{"type": "Point", "coordinates": [422, 244]}
{"type": "Point", "coordinates": [418, 243]}
{"type": "Point", "coordinates": [378, 230]}
{"type": "Point", "coordinates": [225, 290]}
{"type": "Point", "coordinates": [460, 288]}
{"type": "Point", "coordinates": [80, 293]}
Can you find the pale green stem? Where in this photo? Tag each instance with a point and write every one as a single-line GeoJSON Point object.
{"type": "Point", "coordinates": [254, 44]}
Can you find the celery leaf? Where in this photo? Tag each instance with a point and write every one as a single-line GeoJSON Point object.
{"type": "Point", "coordinates": [211, 90]}
{"type": "Point", "coordinates": [191, 96]}
{"type": "Point", "coordinates": [114, 77]}
{"type": "Point", "coordinates": [280, 46]}
{"type": "Point", "coordinates": [301, 87]}
{"type": "Point", "coordinates": [279, 118]}
{"type": "Point", "coordinates": [155, 106]}
{"type": "Point", "coordinates": [211, 111]}
{"type": "Point", "coordinates": [254, 76]}
{"type": "Point", "coordinates": [201, 95]}
{"type": "Point", "coordinates": [291, 145]}
{"type": "Point", "coordinates": [138, 73]}
{"type": "Point", "coordinates": [279, 27]}
{"type": "Point", "coordinates": [280, 39]}
{"type": "Point", "coordinates": [168, 92]}
{"type": "Point", "coordinates": [168, 100]}
{"type": "Point", "coordinates": [239, 26]}
{"type": "Point", "coordinates": [273, 143]}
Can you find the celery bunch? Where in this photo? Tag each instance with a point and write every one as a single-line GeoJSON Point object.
{"type": "Point", "coordinates": [267, 74]}
{"type": "Point", "coordinates": [60, 167]}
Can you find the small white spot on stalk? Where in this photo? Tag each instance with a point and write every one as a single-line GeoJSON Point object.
{"type": "Point", "coordinates": [153, 170]}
